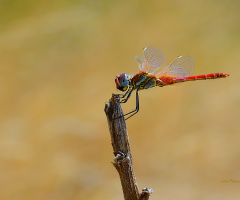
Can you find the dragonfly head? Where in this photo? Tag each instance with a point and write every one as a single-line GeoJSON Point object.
{"type": "Point", "coordinates": [122, 82]}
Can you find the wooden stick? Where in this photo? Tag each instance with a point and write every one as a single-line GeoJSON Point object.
{"type": "Point", "coordinates": [121, 149]}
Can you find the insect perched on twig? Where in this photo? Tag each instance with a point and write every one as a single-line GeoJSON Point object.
{"type": "Point", "coordinates": [179, 71]}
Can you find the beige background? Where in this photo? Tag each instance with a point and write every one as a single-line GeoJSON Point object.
{"type": "Point", "coordinates": [58, 62]}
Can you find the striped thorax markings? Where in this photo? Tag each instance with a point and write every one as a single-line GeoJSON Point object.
{"type": "Point", "coordinates": [143, 80]}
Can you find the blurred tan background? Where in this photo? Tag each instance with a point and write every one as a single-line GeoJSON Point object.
{"type": "Point", "coordinates": [58, 62]}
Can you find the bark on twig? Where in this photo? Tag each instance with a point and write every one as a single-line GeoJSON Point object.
{"type": "Point", "coordinates": [121, 149]}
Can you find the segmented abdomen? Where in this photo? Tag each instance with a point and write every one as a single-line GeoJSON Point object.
{"type": "Point", "coordinates": [165, 80]}
{"type": "Point", "coordinates": [206, 76]}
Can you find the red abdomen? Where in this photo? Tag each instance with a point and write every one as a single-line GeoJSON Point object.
{"type": "Point", "coordinates": [202, 77]}
{"type": "Point", "coordinates": [207, 76]}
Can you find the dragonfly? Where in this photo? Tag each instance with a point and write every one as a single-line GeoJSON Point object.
{"type": "Point", "coordinates": [179, 71]}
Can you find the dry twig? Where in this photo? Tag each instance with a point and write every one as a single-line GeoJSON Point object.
{"type": "Point", "coordinates": [121, 148]}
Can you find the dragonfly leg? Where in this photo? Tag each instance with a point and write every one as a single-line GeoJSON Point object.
{"type": "Point", "coordinates": [128, 93]}
{"type": "Point", "coordinates": [137, 107]}
{"type": "Point", "coordinates": [123, 95]}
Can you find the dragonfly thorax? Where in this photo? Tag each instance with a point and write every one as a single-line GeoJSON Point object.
{"type": "Point", "coordinates": [122, 82]}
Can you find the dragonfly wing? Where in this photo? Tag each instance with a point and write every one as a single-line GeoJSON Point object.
{"type": "Point", "coordinates": [153, 60]}
{"type": "Point", "coordinates": [140, 60]}
{"type": "Point", "coordinates": [181, 67]}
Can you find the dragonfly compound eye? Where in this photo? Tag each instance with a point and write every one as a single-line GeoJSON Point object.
{"type": "Point", "coordinates": [122, 82]}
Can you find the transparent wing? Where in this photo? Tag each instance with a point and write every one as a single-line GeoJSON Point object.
{"type": "Point", "coordinates": [181, 67]}
{"type": "Point", "coordinates": [153, 60]}
{"type": "Point", "coordinates": [140, 60]}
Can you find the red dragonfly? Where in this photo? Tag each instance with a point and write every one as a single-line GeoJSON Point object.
{"type": "Point", "coordinates": [179, 71]}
